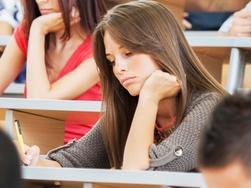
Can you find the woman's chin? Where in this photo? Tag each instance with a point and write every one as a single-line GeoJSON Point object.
{"type": "Point", "coordinates": [134, 90]}
{"type": "Point", "coordinates": [133, 93]}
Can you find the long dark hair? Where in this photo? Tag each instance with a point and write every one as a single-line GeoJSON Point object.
{"type": "Point", "coordinates": [90, 12]}
{"type": "Point", "coordinates": [144, 27]}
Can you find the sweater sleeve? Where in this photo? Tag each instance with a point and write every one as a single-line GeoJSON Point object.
{"type": "Point", "coordinates": [88, 152]}
{"type": "Point", "coordinates": [179, 151]}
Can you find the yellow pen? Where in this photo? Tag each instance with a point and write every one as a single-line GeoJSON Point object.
{"type": "Point", "coordinates": [19, 135]}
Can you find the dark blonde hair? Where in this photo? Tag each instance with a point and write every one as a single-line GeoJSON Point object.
{"type": "Point", "coordinates": [112, 3]}
{"type": "Point", "coordinates": [144, 27]}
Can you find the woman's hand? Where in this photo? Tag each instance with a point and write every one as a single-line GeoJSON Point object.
{"type": "Point", "coordinates": [241, 24]}
{"type": "Point", "coordinates": [186, 24]}
{"type": "Point", "coordinates": [31, 156]}
{"type": "Point", "coordinates": [49, 23]}
{"type": "Point", "coordinates": [160, 85]}
{"type": "Point", "coordinates": [54, 22]}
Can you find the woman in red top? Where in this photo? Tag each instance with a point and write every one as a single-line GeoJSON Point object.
{"type": "Point", "coordinates": [54, 40]}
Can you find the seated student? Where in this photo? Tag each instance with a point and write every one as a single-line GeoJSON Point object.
{"type": "Point", "coordinates": [58, 49]}
{"type": "Point", "coordinates": [10, 172]}
{"type": "Point", "coordinates": [239, 24]}
{"type": "Point", "coordinates": [157, 96]}
{"type": "Point", "coordinates": [209, 14]}
{"type": "Point", "coordinates": [225, 154]}
{"type": "Point", "coordinates": [10, 16]}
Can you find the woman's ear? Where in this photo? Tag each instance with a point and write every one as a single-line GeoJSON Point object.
{"type": "Point", "coordinates": [74, 12]}
{"type": "Point", "coordinates": [75, 17]}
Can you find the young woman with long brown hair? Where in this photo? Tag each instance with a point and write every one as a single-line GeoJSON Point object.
{"type": "Point", "coordinates": [157, 95]}
{"type": "Point", "coordinates": [54, 38]}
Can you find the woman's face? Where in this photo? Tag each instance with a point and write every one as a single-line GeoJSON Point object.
{"type": "Point", "coordinates": [48, 6]}
{"type": "Point", "coordinates": [130, 69]}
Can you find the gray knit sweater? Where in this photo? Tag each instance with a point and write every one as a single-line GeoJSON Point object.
{"type": "Point", "coordinates": [176, 153]}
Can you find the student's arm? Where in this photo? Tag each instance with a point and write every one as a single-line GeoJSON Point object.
{"type": "Point", "coordinates": [88, 152]}
{"type": "Point", "coordinates": [241, 24]}
{"type": "Point", "coordinates": [70, 86]}
{"type": "Point", "coordinates": [11, 64]}
{"type": "Point", "coordinates": [158, 86]}
{"type": "Point", "coordinates": [6, 28]}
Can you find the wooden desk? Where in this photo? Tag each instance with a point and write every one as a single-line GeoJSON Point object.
{"type": "Point", "coordinates": [42, 121]}
{"type": "Point", "coordinates": [97, 178]}
{"type": "Point", "coordinates": [238, 52]}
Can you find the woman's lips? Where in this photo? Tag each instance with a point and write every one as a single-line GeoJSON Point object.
{"type": "Point", "coordinates": [46, 11]}
{"type": "Point", "coordinates": [127, 80]}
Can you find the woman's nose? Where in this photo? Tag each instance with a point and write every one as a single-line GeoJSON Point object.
{"type": "Point", "coordinates": [41, 1]}
{"type": "Point", "coordinates": [121, 65]}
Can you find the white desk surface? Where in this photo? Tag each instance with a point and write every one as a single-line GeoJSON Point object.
{"type": "Point", "coordinates": [113, 176]}
{"type": "Point", "coordinates": [47, 104]}
{"type": "Point", "coordinates": [4, 39]}
{"type": "Point", "coordinates": [198, 39]}
{"type": "Point", "coordinates": [15, 88]}
{"type": "Point", "coordinates": [216, 39]}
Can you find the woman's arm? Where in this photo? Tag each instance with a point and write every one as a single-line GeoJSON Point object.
{"type": "Point", "coordinates": [241, 24]}
{"type": "Point", "coordinates": [87, 152]}
{"type": "Point", "coordinates": [38, 85]}
{"type": "Point", "coordinates": [159, 85]}
{"type": "Point", "coordinates": [11, 64]}
{"type": "Point", "coordinates": [141, 135]}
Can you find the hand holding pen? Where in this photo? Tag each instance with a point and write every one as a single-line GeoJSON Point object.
{"type": "Point", "coordinates": [29, 155]}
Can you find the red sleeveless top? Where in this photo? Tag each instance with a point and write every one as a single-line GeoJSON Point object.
{"type": "Point", "coordinates": [73, 129]}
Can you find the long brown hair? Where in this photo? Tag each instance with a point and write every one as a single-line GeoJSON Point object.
{"type": "Point", "coordinates": [113, 3]}
{"type": "Point", "coordinates": [144, 27]}
{"type": "Point", "coordinates": [91, 11]}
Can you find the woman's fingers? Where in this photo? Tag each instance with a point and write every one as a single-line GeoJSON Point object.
{"type": "Point", "coordinates": [31, 156]}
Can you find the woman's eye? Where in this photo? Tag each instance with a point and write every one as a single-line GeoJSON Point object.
{"type": "Point", "coordinates": [128, 54]}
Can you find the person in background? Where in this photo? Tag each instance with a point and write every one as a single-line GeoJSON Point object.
{"type": "Point", "coordinates": [239, 24]}
{"type": "Point", "coordinates": [54, 38]}
{"type": "Point", "coordinates": [209, 14]}
{"type": "Point", "coordinates": [157, 96]}
{"type": "Point", "coordinates": [10, 16]}
{"type": "Point", "coordinates": [224, 155]}
{"type": "Point", "coordinates": [10, 171]}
